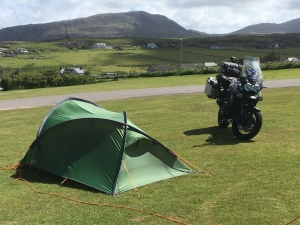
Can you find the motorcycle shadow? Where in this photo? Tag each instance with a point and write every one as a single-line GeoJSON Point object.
{"type": "Point", "coordinates": [218, 136]}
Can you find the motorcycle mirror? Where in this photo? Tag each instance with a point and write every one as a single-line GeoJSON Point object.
{"type": "Point", "coordinates": [233, 59]}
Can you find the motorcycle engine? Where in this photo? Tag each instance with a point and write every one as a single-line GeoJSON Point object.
{"type": "Point", "coordinates": [224, 102]}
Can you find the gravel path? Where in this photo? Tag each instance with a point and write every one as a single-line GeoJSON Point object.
{"type": "Point", "coordinates": [122, 94]}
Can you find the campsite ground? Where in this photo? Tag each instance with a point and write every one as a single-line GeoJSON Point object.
{"type": "Point", "coordinates": [252, 182]}
{"type": "Point", "coordinates": [123, 94]}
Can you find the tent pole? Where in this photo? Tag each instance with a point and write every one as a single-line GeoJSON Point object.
{"type": "Point", "coordinates": [121, 154]}
{"type": "Point", "coordinates": [63, 181]}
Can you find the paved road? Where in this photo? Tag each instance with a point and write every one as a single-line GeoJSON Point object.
{"type": "Point", "coordinates": [122, 94]}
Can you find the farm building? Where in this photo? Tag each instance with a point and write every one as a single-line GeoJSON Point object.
{"type": "Point", "coordinates": [151, 45]}
{"type": "Point", "coordinates": [22, 51]}
{"type": "Point", "coordinates": [155, 68]}
{"type": "Point", "coordinates": [75, 71]}
{"type": "Point", "coordinates": [210, 64]}
{"type": "Point", "coordinates": [217, 47]}
{"type": "Point", "coordinates": [8, 54]}
{"type": "Point", "coordinates": [291, 59]}
{"type": "Point", "coordinates": [99, 45]}
{"type": "Point", "coordinates": [189, 65]}
{"type": "Point", "coordinates": [273, 45]}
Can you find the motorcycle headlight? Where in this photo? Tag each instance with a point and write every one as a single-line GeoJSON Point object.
{"type": "Point", "coordinates": [248, 87]}
{"type": "Point", "coordinates": [254, 88]}
{"type": "Point", "coordinates": [257, 88]}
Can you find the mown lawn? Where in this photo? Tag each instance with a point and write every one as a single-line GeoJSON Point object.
{"type": "Point", "coordinates": [137, 83]}
{"type": "Point", "coordinates": [251, 182]}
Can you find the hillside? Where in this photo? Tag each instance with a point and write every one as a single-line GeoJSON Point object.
{"type": "Point", "coordinates": [131, 24]}
{"type": "Point", "coordinates": [292, 26]}
{"type": "Point", "coordinates": [137, 24]}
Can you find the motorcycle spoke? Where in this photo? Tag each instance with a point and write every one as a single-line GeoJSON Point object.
{"type": "Point", "coordinates": [248, 125]}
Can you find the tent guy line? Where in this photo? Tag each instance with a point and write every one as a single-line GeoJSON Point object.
{"type": "Point", "coordinates": [99, 204]}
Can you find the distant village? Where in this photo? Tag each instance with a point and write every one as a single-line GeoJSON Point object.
{"type": "Point", "coordinates": [152, 68]}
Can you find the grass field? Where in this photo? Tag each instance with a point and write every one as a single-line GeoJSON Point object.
{"type": "Point", "coordinates": [137, 84]}
{"type": "Point", "coordinates": [252, 182]}
{"type": "Point", "coordinates": [133, 58]}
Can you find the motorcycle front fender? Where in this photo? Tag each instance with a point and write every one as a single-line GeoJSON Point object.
{"type": "Point", "coordinates": [254, 109]}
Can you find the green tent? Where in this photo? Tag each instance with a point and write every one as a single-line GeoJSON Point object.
{"type": "Point", "coordinates": [81, 141]}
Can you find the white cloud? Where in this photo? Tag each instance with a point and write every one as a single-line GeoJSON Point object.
{"type": "Point", "coordinates": [210, 16]}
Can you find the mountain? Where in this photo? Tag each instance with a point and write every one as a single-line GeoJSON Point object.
{"type": "Point", "coordinates": [292, 26]}
{"type": "Point", "coordinates": [133, 24]}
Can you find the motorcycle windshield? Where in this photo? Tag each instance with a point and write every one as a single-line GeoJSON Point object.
{"type": "Point", "coordinates": [251, 69]}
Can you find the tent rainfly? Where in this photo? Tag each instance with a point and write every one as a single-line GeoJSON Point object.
{"type": "Point", "coordinates": [82, 141]}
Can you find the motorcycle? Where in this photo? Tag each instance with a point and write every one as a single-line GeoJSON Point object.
{"type": "Point", "coordinates": [237, 90]}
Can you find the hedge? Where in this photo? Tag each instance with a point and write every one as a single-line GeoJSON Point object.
{"type": "Point", "coordinates": [15, 82]}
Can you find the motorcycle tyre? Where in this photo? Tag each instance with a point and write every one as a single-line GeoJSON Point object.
{"type": "Point", "coordinates": [253, 132]}
{"type": "Point", "coordinates": [222, 123]}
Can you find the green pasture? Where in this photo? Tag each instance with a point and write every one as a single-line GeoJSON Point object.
{"type": "Point", "coordinates": [251, 182]}
{"type": "Point", "coordinates": [59, 45]}
{"type": "Point", "coordinates": [191, 54]}
{"type": "Point", "coordinates": [132, 59]}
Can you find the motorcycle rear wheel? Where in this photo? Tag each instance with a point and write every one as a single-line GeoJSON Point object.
{"type": "Point", "coordinates": [223, 123]}
{"type": "Point", "coordinates": [247, 127]}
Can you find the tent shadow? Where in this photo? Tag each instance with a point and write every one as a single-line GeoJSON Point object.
{"type": "Point", "coordinates": [33, 175]}
{"type": "Point", "coordinates": [218, 136]}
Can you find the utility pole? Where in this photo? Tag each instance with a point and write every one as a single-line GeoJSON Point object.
{"type": "Point", "coordinates": [180, 53]}
{"type": "Point", "coordinates": [90, 62]}
{"type": "Point", "coordinates": [193, 62]}
{"type": "Point", "coordinates": [66, 30]}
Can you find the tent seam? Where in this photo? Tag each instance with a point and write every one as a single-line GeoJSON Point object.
{"type": "Point", "coordinates": [122, 153]}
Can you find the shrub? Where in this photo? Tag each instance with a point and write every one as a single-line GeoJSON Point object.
{"type": "Point", "coordinates": [5, 83]}
{"type": "Point", "coordinates": [280, 65]}
{"type": "Point", "coordinates": [29, 82]}
{"type": "Point", "coordinates": [13, 82]}
{"type": "Point", "coordinates": [51, 78]}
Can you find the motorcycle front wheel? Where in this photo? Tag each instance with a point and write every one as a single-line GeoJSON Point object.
{"type": "Point", "coordinates": [247, 125]}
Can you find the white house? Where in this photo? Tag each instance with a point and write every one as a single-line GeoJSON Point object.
{"type": "Point", "coordinates": [217, 47]}
{"type": "Point", "coordinates": [273, 45]}
{"type": "Point", "coordinates": [210, 64]}
{"type": "Point", "coordinates": [22, 51]}
{"type": "Point", "coordinates": [99, 45]}
{"type": "Point", "coordinates": [75, 71]}
{"type": "Point", "coordinates": [291, 59]}
{"type": "Point", "coordinates": [151, 45]}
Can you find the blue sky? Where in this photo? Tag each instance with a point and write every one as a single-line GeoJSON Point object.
{"type": "Point", "coordinates": [210, 16]}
